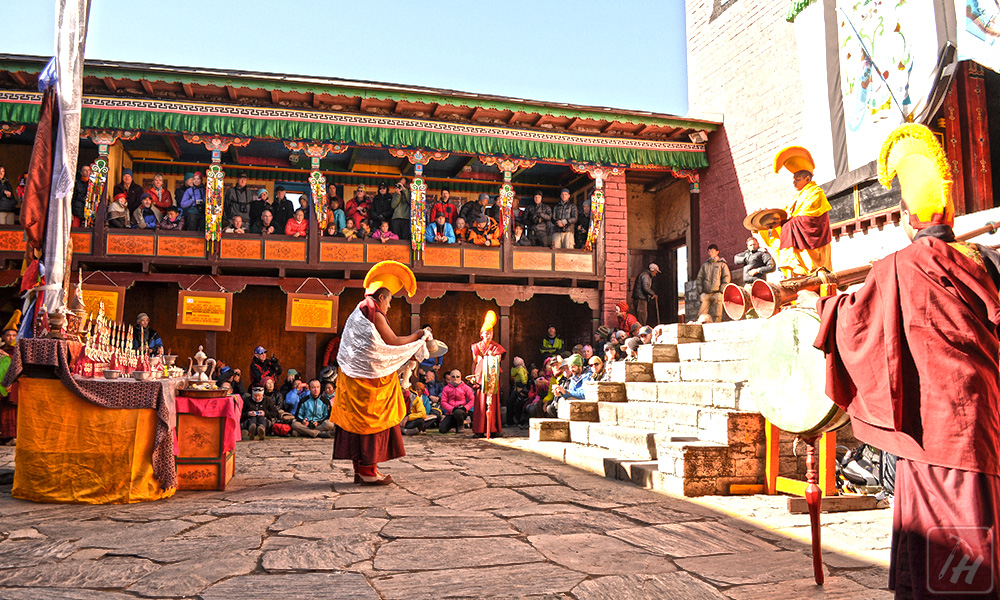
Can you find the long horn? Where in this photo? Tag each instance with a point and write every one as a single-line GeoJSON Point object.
{"type": "Point", "coordinates": [735, 301]}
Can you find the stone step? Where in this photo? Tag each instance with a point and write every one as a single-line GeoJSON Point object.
{"type": "Point", "coordinates": [657, 353]}
{"type": "Point", "coordinates": [548, 430]}
{"type": "Point", "coordinates": [577, 410]}
{"type": "Point", "coordinates": [705, 467]}
{"type": "Point", "coordinates": [679, 333]}
{"type": "Point", "coordinates": [625, 442]}
{"type": "Point", "coordinates": [732, 395]}
{"type": "Point", "coordinates": [724, 371]}
{"type": "Point", "coordinates": [625, 371]}
{"type": "Point", "coordinates": [722, 350]}
{"type": "Point", "coordinates": [745, 329]}
{"type": "Point", "coordinates": [722, 426]}
{"type": "Point", "coordinates": [604, 391]}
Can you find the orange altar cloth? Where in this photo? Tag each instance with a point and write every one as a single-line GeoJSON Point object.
{"type": "Point", "coordinates": [71, 450]}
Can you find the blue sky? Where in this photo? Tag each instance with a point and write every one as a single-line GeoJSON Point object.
{"type": "Point", "coordinates": [626, 54]}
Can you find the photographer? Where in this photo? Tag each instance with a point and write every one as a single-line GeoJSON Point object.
{"type": "Point", "coordinates": [261, 366]}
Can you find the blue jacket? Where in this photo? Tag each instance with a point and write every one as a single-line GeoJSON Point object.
{"type": "Point", "coordinates": [313, 409]}
{"type": "Point", "coordinates": [292, 399]}
{"type": "Point", "coordinates": [449, 232]}
{"type": "Point", "coordinates": [574, 388]}
{"type": "Point", "coordinates": [192, 197]}
{"type": "Point", "coordinates": [339, 220]}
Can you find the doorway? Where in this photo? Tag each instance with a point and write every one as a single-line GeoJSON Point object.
{"type": "Point", "coordinates": [665, 284]}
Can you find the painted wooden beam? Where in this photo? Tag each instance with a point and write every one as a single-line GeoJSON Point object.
{"type": "Point", "coordinates": [231, 91]}
{"type": "Point", "coordinates": [188, 90]}
{"type": "Point", "coordinates": [110, 84]}
{"type": "Point", "coordinates": [147, 86]}
{"type": "Point", "coordinates": [19, 78]}
{"type": "Point", "coordinates": [275, 96]}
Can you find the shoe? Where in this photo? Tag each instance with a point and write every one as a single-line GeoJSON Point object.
{"type": "Point", "coordinates": [245, 434]}
{"type": "Point", "coordinates": [498, 434]}
{"type": "Point", "coordinates": [324, 434]}
{"type": "Point", "coordinates": [479, 435]}
{"type": "Point", "coordinates": [357, 478]}
{"type": "Point", "coordinates": [410, 432]}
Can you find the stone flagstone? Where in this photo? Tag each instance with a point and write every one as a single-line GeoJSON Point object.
{"type": "Point", "coordinates": [642, 587]}
{"type": "Point", "coordinates": [435, 554]}
{"type": "Point", "coordinates": [596, 554]}
{"type": "Point", "coordinates": [513, 581]}
{"type": "Point", "coordinates": [328, 586]}
{"type": "Point", "coordinates": [692, 539]}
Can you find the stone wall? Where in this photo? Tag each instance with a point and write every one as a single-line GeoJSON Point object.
{"type": "Point", "coordinates": [657, 217]}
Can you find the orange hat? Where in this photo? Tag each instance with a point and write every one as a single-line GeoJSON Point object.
{"type": "Point", "coordinates": [391, 275]}
{"type": "Point", "coordinates": [489, 321]}
{"type": "Point", "coordinates": [912, 154]}
{"type": "Point", "coordinates": [795, 159]}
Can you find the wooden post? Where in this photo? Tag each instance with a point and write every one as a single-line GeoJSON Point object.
{"type": "Point", "coordinates": [953, 145]}
{"type": "Point", "coordinates": [310, 354]}
{"type": "Point", "coordinates": [976, 138]}
{"type": "Point", "coordinates": [505, 363]}
{"type": "Point", "coordinates": [814, 499]}
{"type": "Point", "coordinates": [694, 232]}
{"type": "Point", "coordinates": [210, 343]}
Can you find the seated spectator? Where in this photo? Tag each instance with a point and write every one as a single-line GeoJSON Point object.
{"type": "Point", "coordinates": [443, 206]}
{"type": "Point", "coordinates": [625, 319]}
{"type": "Point", "coordinates": [611, 352]}
{"type": "Point", "coordinates": [336, 220]}
{"type": "Point", "coordinates": [533, 406]}
{"type": "Point", "coordinates": [265, 226]}
{"type": "Point", "coordinates": [645, 334]}
{"type": "Point", "coordinates": [297, 227]}
{"type": "Point", "coordinates": [292, 381]}
{"type": "Point", "coordinates": [173, 220]}
{"type": "Point", "coordinates": [520, 238]}
{"type": "Point", "coordinates": [235, 225]}
{"type": "Point", "coordinates": [254, 418]}
{"type": "Point", "coordinates": [632, 349]}
{"type": "Point", "coordinates": [146, 216]}
{"type": "Point", "coordinates": [383, 234]}
{"type": "Point", "coordinates": [312, 417]}
{"type": "Point", "coordinates": [118, 212]}
{"type": "Point", "coordinates": [461, 231]}
{"type": "Point", "coordinates": [457, 400]}
{"type": "Point", "coordinates": [586, 352]}
{"type": "Point", "coordinates": [485, 232]}
{"type": "Point", "coordinates": [275, 409]}
{"type": "Point", "coordinates": [440, 231]}
{"type": "Point", "coordinates": [416, 417]}
{"type": "Point", "coordinates": [519, 391]}
{"type": "Point", "coordinates": [602, 336]}
{"type": "Point", "coordinates": [432, 389]}
{"type": "Point", "coordinates": [571, 387]}
{"type": "Point", "coordinates": [365, 229]}
{"type": "Point", "coordinates": [351, 230]}
{"type": "Point", "coordinates": [193, 204]}
{"type": "Point", "coordinates": [162, 199]}
{"type": "Point", "coordinates": [381, 207]}
{"type": "Point", "coordinates": [595, 367]}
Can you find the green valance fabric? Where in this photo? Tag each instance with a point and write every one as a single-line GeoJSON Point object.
{"type": "Point", "coordinates": [255, 123]}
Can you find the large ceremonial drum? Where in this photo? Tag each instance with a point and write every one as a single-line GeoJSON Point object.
{"type": "Point", "coordinates": [787, 376]}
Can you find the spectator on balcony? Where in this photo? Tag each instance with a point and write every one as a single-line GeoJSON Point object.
{"type": "Point", "coordinates": [381, 207]}
{"type": "Point", "coordinates": [383, 234]}
{"type": "Point", "coordinates": [146, 216]}
{"type": "Point", "coordinates": [401, 210]}
{"type": "Point", "coordinates": [8, 200]}
{"type": "Point", "coordinates": [538, 220]}
{"type": "Point", "coordinates": [79, 201]}
{"type": "Point", "coordinates": [238, 200]}
{"type": "Point", "coordinates": [118, 212]}
{"type": "Point", "coordinates": [471, 211]}
{"type": "Point", "coordinates": [130, 188]}
{"type": "Point", "coordinates": [440, 231]}
{"type": "Point", "coordinates": [485, 232]}
{"type": "Point", "coordinates": [283, 209]}
{"type": "Point", "coordinates": [185, 184]}
{"type": "Point", "coordinates": [364, 229]}
{"type": "Point", "coordinates": [443, 206]}
{"type": "Point", "coordinates": [297, 227]}
{"type": "Point", "coordinates": [552, 345]}
{"type": "Point", "coordinates": [336, 220]}
{"type": "Point", "coordinates": [520, 238]}
{"type": "Point", "coordinates": [564, 218]}
{"type": "Point", "coordinates": [461, 231]}
{"type": "Point", "coordinates": [173, 220]}
{"type": "Point", "coordinates": [350, 231]}
{"type": "Point", "coordinates": [583, 224]}
{"type": "Point", "coordinates": [235, 225]}
{"type": "Point", "coordinates": [193, 203]}
{"type": "Point", "coordinates": [304, 206]}
{"type": "Point", "coordinates": [162, 199]}
{"type": "Point", "coordinates": [259, 205]}
{"type": "Point", "coordinates": [265, 226]}
{"type": "Point", "coordinates": [359, 205]}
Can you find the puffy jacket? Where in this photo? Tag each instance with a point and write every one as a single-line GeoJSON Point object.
{"type": "Point", "coordinates": [176, 225]}
{"type": "Point", "coordinates": [283, 210]}
{"type": "Point", "coordinates": [449, 232]}
{"type": "Point", "coordinates": [337, 219]}
{"type": "Point", "coordinates": [713, 276]}
{"type": "Point", "coordinates": [79, 202]}
{"type": "Point", "coordinates": [417, 408]}
{"type": "Point", "coordinates": [161, 198]}
{"type": "Point", "coordinates": [756, 264]}
{"type": "Point", "coordinates": [457, 396]}
{"type": "Point", "coordinates": [146, 221]}
{"type": "Point", "coordinates": [564, 211]}
{"type": "Point", "coordinates": [444, 208]}
{"type": "Point", "coordinates": [193, 196]}
{"type": "Point", "coordinates": [292, 227]}
{"type": "Point", "coordinates": [538, 218]}
{"type": "Point", "coordinates": [381, 209]}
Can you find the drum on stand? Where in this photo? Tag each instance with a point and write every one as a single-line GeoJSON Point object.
{"type": "Point", "coordinates": [787, 376]}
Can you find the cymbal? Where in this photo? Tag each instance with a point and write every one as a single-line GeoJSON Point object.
{"type": "Point", "coordinates": [765, 218]}
{"type": "Point", "coordinates": [442, 349]}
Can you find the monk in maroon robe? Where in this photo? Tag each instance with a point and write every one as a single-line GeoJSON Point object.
{"type": "Point", "coordinates": [486, 356]}
{"type": "Point", "coordinates": [912, 356]}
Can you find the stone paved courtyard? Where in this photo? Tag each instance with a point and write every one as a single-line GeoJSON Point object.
{"type": "Point", "coordinates": [466, 519]}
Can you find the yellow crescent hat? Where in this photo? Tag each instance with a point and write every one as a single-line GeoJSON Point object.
{"type": "Point", "coordinates": [393, 276]}
{"type": "Point", "coordinates": [14, 323]}
{"type": "Point", "coordinates": [489, 321]}
{"type": "Point", "coordinates": [913, 154]}
{"type": "Point", "coordinates": [795, 159]}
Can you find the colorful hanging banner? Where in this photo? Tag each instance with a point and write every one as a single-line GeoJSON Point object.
{"type": "Point", "coordinates": [96, 189]}
{"type": "Point", "coordinates": [213, 206]}
{"type": "Point", "coordinates": [596, 218]}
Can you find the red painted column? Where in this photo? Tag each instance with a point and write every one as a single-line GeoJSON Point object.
{"type": "Point", "coordinates": [953, 145]}
{"type": "Point", "coordinates": [615, 246]}
{"type": "Point", "coordinates": [976, 138]}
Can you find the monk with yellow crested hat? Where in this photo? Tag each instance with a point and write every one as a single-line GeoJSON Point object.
{"type": "Point", "coordinates": [802, 243]}
{"type": "Point", "coordinates": [913, 356]}
{"type": "Point", "coordinates": [486, 356]}
{"type": "Point", "coordinates": [369, 404]}
{"type": "Point", "coordinates": [8, 396]}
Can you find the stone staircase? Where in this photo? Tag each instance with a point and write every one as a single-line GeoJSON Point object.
{"type": "Point", "coordinates": [678, 419]}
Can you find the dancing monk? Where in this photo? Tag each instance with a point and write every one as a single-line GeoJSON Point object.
{"type": "Point", "coordinates": [913, 358]}
{"type": "Point", "coordinates": [369, 404]}
{"type": "Point", "coordinates": [802, 243]}
{"type": "Point", "coordinates": [486, 355]}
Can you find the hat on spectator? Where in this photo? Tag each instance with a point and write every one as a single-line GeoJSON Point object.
{"type": "Point", "coordinates": [604, 331]}
{"type": "Point", "coordinates": [654, 267]}
{"type": "Point", "coordinates": [259, 350]}
{"type": "Point", "coordinates": [575, 359]}
{"type": "Point", "coordinates": [119, 197]}
{"type": "Point", "coordinates": [241, 175]}
{"type": "Point", "coordinates": [257, 389]}
{"type": "Point", "coordinates": [261, 192]}
{"type": "Point", "coordinates": [646, 330]}
{"type": "Point", "coordinates": [279, 188]}
{"type": "Point", "coordinates": [538, 193]}
{"type": "Point", "coordinates": [383, 186]}
{"type": "Point", "coordinates": [635, 326]}
{"type": "Point", "coordinates": [188, 175]}
{"type": "Point", "coordinates": [266, 379]}
{"type": "Point", "coordinates": [623, 305]}
{"type": "Point", "coordinates": [197, 174]}
{"type": "Point", "coordinates": [633, 344]}
{"type": "Point", "coordinates": [144, 195]}
{"type": "Point", "coordinates": [141, 316]}
{"type": "Point", "coordinates": [361, 188]}
{"type": "Point", "coordinates": [126, 172]}
{"type": "Point", "coordinates": [293, 372]}
{"type": "Point", "coordinates": [564, 190]}
{"type": "Point", "coordinates": [482, 219]}
{"type": "Point", "coordinates": [444, 189]}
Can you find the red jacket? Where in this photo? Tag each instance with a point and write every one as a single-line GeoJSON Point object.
{"type": "Point", "coordinates": [292, 227]}
{"type": "Point", "coordinates": [443, 208]}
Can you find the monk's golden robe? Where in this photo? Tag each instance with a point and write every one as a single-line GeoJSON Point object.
{"type": "Point", "coordinates": [802, 243]}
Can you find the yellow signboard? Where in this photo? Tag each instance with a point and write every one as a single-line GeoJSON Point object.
{"type": "Point", "coordinates": [206, 311]}
{"type": "Point", "coordinates": [113, 298]}
{"type": "Point", "coordinates": [311, 313]}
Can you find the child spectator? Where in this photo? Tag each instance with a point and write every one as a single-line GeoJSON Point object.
{"type": "Point", "coordinates": [383, 234]}
{"type": "Point", "coordinates": [254, 416]}
{"type": "Point", "coordinates": [461, 230]}
{"type": "Point", "coordinates": [173, 220]}
{"type": "Point", "coordinates": [416, 419]}
{"type": "Point", "coordinates": [118, 212]}
{"type": "Point", "coordinates": [336, 220]}
{"type": "Point", "coordinates": [297, 227]}
{"type": "Point", "coordinates": [364, 229]}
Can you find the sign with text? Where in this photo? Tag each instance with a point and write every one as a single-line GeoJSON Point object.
{"type": "Point", "coordinates": [311, 313]}
{"type": "Point", "coordinates": [204, 311]}
{"type": "Point", "coordinates": [113, 298]}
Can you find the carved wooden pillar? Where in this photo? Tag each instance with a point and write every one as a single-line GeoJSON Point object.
{"type": "Point", "coordinates": [505, 363]}
{"type": "Point", "coordinates": [953, 145]}
{"type": "Point", "coordinates": [976, 137]}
